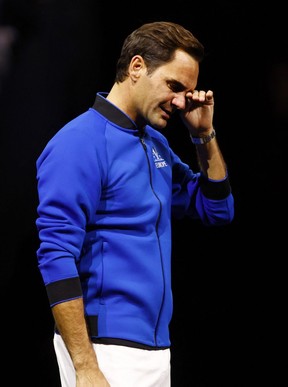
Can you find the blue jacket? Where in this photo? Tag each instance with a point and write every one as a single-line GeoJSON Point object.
{"type": "Point", "coordinates": [107, 192]}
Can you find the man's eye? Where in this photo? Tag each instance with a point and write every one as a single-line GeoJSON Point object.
{"type": "Point", "coordinates": [175, 87]}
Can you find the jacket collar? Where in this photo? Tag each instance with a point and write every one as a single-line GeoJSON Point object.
{"type": "Point", "coordinates": [110, 111]}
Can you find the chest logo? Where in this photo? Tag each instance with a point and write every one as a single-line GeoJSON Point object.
{"type": "Point", "coordinates": [158, 160]}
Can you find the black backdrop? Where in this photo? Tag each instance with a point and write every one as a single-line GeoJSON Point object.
{"type": "Point", "coordinates": [229, 324]}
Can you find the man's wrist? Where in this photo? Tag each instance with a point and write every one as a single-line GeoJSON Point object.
{"type": "Point", "coordinates": [203, 140]}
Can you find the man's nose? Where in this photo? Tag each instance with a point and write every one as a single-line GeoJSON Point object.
{"type": "Point", "coordinates": [179, 101]}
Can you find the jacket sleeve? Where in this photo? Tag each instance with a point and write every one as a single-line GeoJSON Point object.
{"type": "Point", "coordinates": [200, 198]}
{"type": "Point", "coordinates": [66, 204]}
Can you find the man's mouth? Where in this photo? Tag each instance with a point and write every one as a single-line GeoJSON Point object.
{"type": "Point", "coordinates": [167, 113]}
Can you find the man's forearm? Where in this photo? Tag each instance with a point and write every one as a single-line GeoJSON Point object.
{"type": "Point", "coordinates": [211, 161]}
{"type": "Point", "coordinates": [70, 321]}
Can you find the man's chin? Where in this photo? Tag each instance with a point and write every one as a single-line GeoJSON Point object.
{"type": "Point", "coordinates": [159, 124]}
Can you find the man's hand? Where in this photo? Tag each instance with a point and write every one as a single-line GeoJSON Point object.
{"type": "Point", "coordinates": [198, 114]}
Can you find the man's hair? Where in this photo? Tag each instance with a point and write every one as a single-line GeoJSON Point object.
{"type": "Point", "coordinates": [157, 42]}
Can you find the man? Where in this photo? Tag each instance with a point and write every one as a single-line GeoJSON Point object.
{"type": "Point", "coordinates": [108, 185]}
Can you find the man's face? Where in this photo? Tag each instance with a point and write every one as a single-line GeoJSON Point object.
{"type": "Point", "coordinates": [161, 93]}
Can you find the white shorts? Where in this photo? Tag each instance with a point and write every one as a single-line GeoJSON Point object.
{"type": "Point", "coordinates": [122, 366]}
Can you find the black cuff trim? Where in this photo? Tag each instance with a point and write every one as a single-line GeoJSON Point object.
{"type": "Point", "coordinates": [64, 290]}
{"type": "Point", "coordinates": [216, 190]}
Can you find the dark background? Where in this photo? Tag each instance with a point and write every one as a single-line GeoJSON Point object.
{"type": "Point", "coordinates": [230, 284]}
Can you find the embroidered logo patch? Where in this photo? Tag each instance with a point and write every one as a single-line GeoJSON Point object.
{"type": "Point", "coordinates": [158, 160]}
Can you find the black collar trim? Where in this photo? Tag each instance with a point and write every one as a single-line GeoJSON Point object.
{"type": "Point", "coordinates": [110, 111]}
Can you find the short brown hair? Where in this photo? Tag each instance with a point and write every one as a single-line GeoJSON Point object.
{"type": "Point", "coordinates": [157, 42]}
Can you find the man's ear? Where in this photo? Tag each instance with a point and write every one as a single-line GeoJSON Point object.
{"type": "Point", "coordinates": [137, 66]}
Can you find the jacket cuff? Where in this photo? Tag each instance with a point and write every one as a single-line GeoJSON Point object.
{"type": "Point", "coordinates": [64, 290]}
{"type": "Point", "coordinates": [216, 190]}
